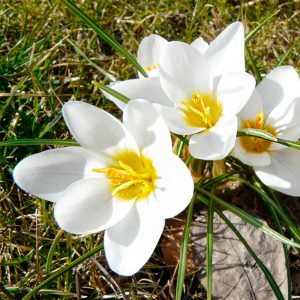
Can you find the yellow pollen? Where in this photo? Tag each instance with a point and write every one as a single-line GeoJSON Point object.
{"type": "Point", "coordinates": [151, 67]}
{"type": "Point", "coordinates": [201, 110]}
{"type": "Point", "coordinates": [253, 144]}
{"type": "Point", "coordinates": [132, 176]}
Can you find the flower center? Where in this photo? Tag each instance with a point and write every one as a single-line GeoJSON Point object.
{"type": "Point", "coordinates": [201, 110]}
{"type": "Point", "coordinates": [253, 144]}
{"type": "Point", "coordinates": [131, 176]}
{"type": "Point", "coordinates": [151, 67]}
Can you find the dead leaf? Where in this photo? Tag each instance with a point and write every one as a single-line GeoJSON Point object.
{"type": "Point", "coordinates": [235, 273]}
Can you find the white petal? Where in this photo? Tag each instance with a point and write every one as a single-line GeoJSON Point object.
{"type": "Point", "coordinates": [174, 188]}
{"type": "Point", "coordinates": [252, 108]}
{"type": "Point", "coordinates": [144, 122]}
{"type": "Point", "coordinates": [95, 129]}
{"type": "Point", "coordinates": [200, 45]}
{"type": "Point", "coordinates": [217, 142]}
{"type": "Point", "coordinates": [234, 90]}
{"type": "Point", "coordinates": [183, 71]}
{"type": "Point", "coordinates": [175, 120]}
{"type": "Point", "coordinates": [283, 174]}
{"type": "Point", "coordinates": [149, 51]}
{"type": "Point", "coordinates": [287, 127]}
{"type": "Point", "coordinates": [49, 173]}
{"type": "Point", "coordinates": [88, 206]}
{"type": "Point", "coordinates": [226, 52]}
{"type": "Point", "coordinates": [145, 88]}
{"type": "Point", "coordinates": [250, 158]}
{"type": "Point", "coordinates": [278, 89]}
{"type": "Point", "coordinates": [129, 244]}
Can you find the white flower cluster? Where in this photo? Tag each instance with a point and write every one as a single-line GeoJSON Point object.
{"type": "Point", "coordinates": [124, 178]}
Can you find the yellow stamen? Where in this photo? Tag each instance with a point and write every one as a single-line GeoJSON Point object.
{"type": "Point", "coordinates": [253, 144]}
{"type": "Point", "coordinates": [201, 110]}
{"type": "Point", "coordinates": [131, 176]}
{"type": "Point", "coordinates": [151, 67]}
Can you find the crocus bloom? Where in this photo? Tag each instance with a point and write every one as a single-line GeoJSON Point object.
{"type": "Point", "coordinates": [199, 93]}
{"type": "Point", "coordinates": [275, 107]}
{"type": "Point", "coordinates": [225, 54]}
{"type": "Point", "coordinates": [124, 179]}
{"type": "Point", "coordinates": [222, 53]}
{"type": "Point", "coordinates": [148, 53]}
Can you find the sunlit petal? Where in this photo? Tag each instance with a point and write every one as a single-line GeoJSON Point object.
{"type": "Point", "coordinates": [49, 173]}
{"type": "Point", "coordinates": [129, 244]}
{"type": "Point", "coordinates": [88, 206]}
{"type": "Point", "coordinates": [216, 142]}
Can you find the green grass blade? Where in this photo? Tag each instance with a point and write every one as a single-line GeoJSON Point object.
{"type": "Point", "coordinates": [182, 138]}
{"type": "Point", "coordinates": [291, 144]}
{"type": "Point", "coordinates": [253, 64]}
{"type": "Point", "coordinates": [33, 142]}
{"type": "Point", "coordinates": [111, 91]}
{"type": "Point", "coordinates": [267, 136]}
{"type": "Point", "coordinates": [250, 219]}
{"type": "Point", "coordinates": [259, 189]}
{"type": "Point", "coordinates": [287, 53]}
{"type": "Point", "coordinates": [51, 251]}
{"type": "Point", "coordinates": [104, 35]}
{"type": "Point", "coordinates": [285, 248]}
{"type": "Point", "coordinates": [218, 179]}
{"type": "Point", "coordinates": [209, 248]}
{"type": "Point", "coordinates": [17, 261]}
{"type": "Point", "coordinates": [256, 29]}
{"type": "Point", "coordinates": [183, 251]}
{"type": "Point", "coordinates": [180, 148]}
{"type": "Point", "coordinates": [265, 270]}
{"type": "Point", "coordinates": [63, 270]}
{"type": "Point", "coordinates": [99, 69]}
{"type": "Point", "coordinates": [257, 133]}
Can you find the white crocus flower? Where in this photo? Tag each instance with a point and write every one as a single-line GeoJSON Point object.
{"type": "Point", "coordinates": [148, 54]}
{"type": "Point", "coordinates": [204, 106]}
{"type": "Point", "coordinates": [199, 91]}
{"type": "Point", "coordinates": [275, 107]}
{"type": "Point", "coordinates": [225, 54]}
{"type": "Point", "coordinates": [124, 179]}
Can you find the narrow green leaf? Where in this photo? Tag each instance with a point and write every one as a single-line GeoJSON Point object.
{"type": "Point", "coordinates": [259, 189]}
{"type": "Point", "coordinates": [253, 64]}
{"type": "Point", "coordinates": [63, 270]}
{"type": "Point", "coordinates": [256, 29]}
{"type": "Point", "coordinates": [287, 53]}
{"type": "Point", "coordinates": [104, 35]}
{"type": "Point", "coordinates": [51, 251]}
{"type": "Point", "coordinates": [183, 251]}
{"type": "Point", "coordinates": [257, 133]}
{"type": "Point", "coordinates": [17, 261]}
{"type": "Point", "coordinates": [285, 248]}
{"type": "Point", "coordinates": [180, 148]}
{"type": "Point", "coordinates": [33, 142]}
{"type": "Point", "coordinates": [267, 136]}
{"type": "Point", "coordinates": [102, 71]}
{"type": "Point", "coordinates": [209, 248]}
{"type": "Point", "coordinates": [111, 91]}
{"type": "Point", "coordinates": [291, 144]}
{"type": "Point", "coordinates": [219, 179]}
{"type": "Point", "coordinates": [265, 270]}
{"type": "Point", "coordinates": [182, 138]}
{"type": "Point", "coordinates": [250, 219]}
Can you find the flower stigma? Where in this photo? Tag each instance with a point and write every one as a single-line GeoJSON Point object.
{"type": "Point", "coordinates": [132, 176]}
{"type": "Point", "coordinates": [151, 67]}
{"type": "Point", "coordinates": [254, 144]}
{"type": "Point", "coordinates": [201, 110]}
